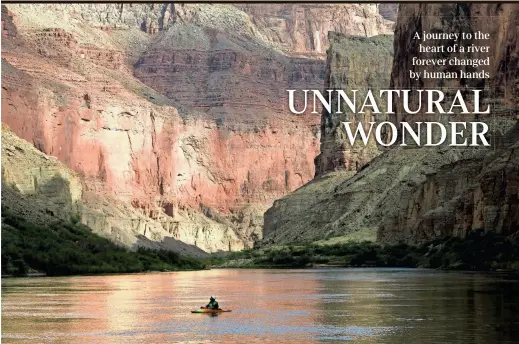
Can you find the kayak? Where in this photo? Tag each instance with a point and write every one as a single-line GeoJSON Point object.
{"type": "Point", "coordinates": [206, 310]}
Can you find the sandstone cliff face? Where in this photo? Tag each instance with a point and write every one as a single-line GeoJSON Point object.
{"type": "Point", "coordinates": [202, 158]}
{"type": "Point", "coordinates": [233, 64]}
{"type": "Point", "coordinates": [51, 186]}
{"type": "Point", "coordinates": [232, 80]}
{"type": "Point", "coordinates": [123, 148]}
{"type": "Point", "coordinates": [415, 194]}
{"type": "Point", "coordinates": [214, 59]}
{"type": "Point", "coordinates": [84, 109]}
{"type": "Point", "coordinates": [41, 189]}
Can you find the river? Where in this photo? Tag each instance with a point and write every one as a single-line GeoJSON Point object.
{"type": "Point", "coordinates": [268, 306]}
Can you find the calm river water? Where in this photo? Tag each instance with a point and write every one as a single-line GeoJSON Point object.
{"type": "Point", "coordinates": [268, 306]}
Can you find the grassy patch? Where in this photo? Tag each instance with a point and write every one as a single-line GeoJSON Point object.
{"type": "Point", "coordinates": [364, 234]}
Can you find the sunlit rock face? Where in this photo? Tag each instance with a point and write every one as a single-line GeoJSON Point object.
{"type": "Point", "coordinates": [303, 28]}
{"type": "Point", "coordinates": [174, 117]}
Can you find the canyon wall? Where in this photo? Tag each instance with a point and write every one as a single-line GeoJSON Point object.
{"type": "Point", "coordinates": [480, 189]}
{"type": "Point", "coordinates": [93, 119]}
{"type": "Point", "coordinates": [174, 116]}
{"type": "Point", "coordinates": [122, 147]}
{"type": "Point", "coordinates": [303, 28]}
{"type": "Point", "coordinates": [317, 209]}
{"type": "Point", "coordinates": [41, 189]}
{"type": "Point", "coordinates": [497, 20]}
{"type": "Point", "coordinates": [409, 193]}
{"type": "Point", "coordinates": [354, 63]}
{"type": "Point", "coordinates": [481, 193]}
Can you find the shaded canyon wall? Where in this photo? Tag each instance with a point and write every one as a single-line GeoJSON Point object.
{"type": "Point", "coordinates": [409, 193]}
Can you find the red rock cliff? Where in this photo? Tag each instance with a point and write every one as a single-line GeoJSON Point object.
{"type": "Point", "coordinates": [198, 160]}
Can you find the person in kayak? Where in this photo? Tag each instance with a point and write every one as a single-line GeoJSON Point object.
{"type": "Point", "coordinates": [213, 304]}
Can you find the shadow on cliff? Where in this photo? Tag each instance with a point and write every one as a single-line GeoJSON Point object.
{"type": "Point", "coordinates": [50, 201]}
{"type": "Point", "coordinates": [38, 236]}
{"type": "Point", "coordinates": [170, 244]}
{"type": "Point", "coordinates": [53, 202]}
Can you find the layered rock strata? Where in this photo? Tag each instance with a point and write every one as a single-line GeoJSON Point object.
{"type": "Point", "coordinates": [41, 189]}
{"type": "Point", "coordinates": [303, 28]}
{"type": "Point", "coordinates": [199, 146]}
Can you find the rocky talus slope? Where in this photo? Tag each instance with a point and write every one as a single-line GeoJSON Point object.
{"type": "Point", "coordinates": [415, 194]}
{"type": "Point", "coordinates": [355, 205]}
{"type": "Point", "coordinates": [172, 115]}
{"type": "Point", "coordinates": [481, 193]}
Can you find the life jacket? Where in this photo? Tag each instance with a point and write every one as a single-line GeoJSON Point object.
{"type": "Point", "coordinates": [212, 305]}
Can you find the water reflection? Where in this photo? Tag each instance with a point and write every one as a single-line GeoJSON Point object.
{"type": "Point", "coordinates": [269, 306]}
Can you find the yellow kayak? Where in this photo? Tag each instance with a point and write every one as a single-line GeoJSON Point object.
{"type": "Point", "coordinates": [208, 310]}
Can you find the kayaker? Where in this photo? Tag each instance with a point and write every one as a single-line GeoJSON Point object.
{"type": "Point", "coordinates": [213, 304]}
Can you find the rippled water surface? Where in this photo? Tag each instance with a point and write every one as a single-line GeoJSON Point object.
{"type": "Point", "coordinates": [268, 306]}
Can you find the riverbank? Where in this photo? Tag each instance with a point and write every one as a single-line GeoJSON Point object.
{"type": "Point", "coordinates": [70, 248]}
{"type": "Point", "coordinates": [478, 252]}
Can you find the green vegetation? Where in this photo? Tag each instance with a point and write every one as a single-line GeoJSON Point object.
{"type": "Point", "coordinates": [363, 234]}
{"type": "Point", "coordinates": [67, 248]}
{"type": "Point", "coordinates": [479, 251]}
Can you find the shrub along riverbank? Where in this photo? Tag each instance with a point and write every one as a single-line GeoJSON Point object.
{"type": "Point", "coordinates": [479, 251]}
{"type": "Point", "coordinates": [69, 248]}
